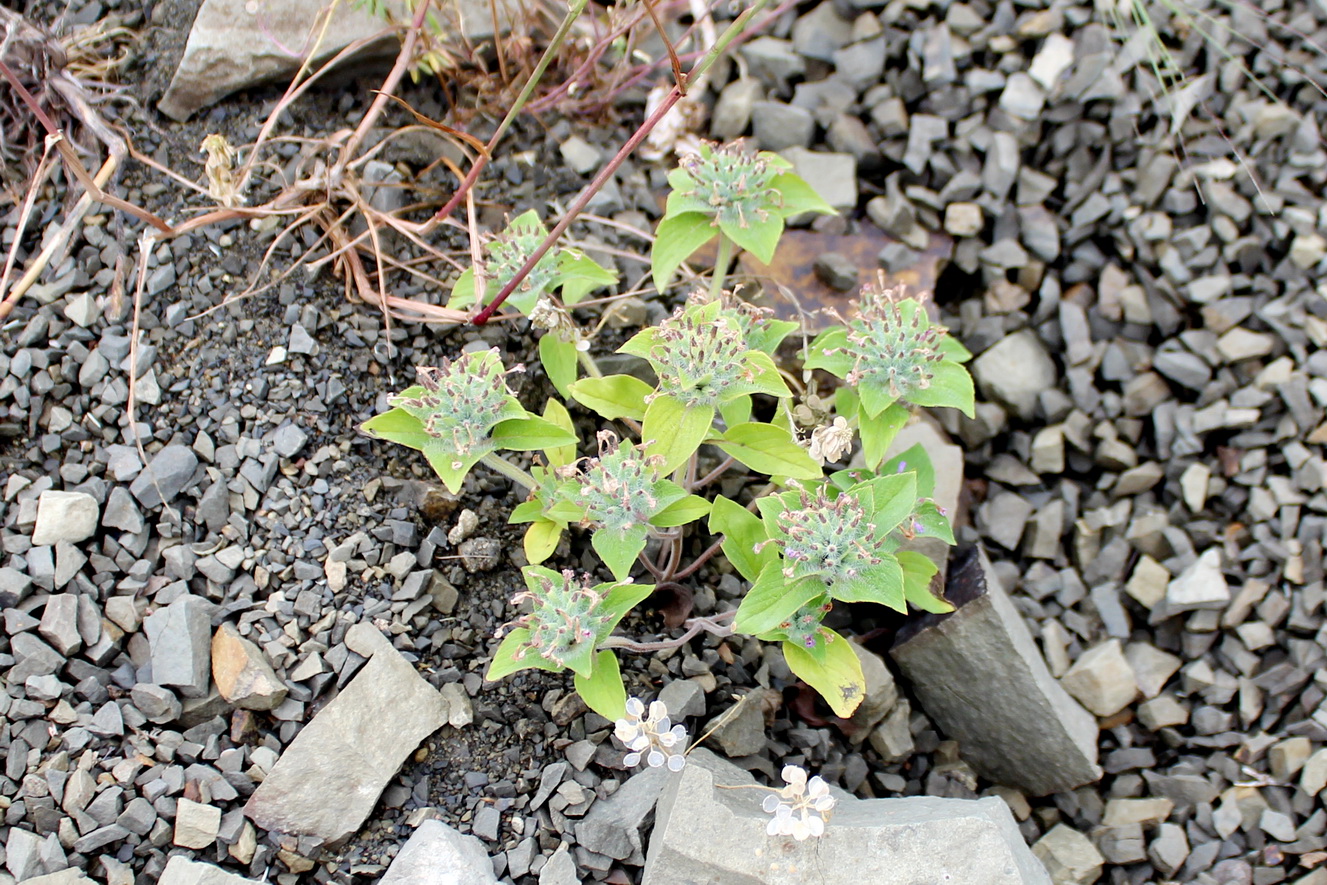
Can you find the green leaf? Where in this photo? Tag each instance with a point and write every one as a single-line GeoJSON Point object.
{"type": "Point", "coordinates": [579, 657]}
{"type": "Point", "coordinates": [881, 583]}
{"type": "Point", "coordinates": [674, 431]}
{"type": "Point", "coordinates": [918, 570]}
{"type": "Point", "coordinates": [689, 509]}
{"type": "Point", "coordinates": [565, 511]}
{"type": "Point", "coordinates": [875, 398]}
{"type": "Point", "coordinates": [613, 396]}
{"type": "Point", "coordinates": [931, 522]}
{"type": "Point", "coordinates": [799, 197]}
{"type": "Point", "coordinates": [603, 691]}
{"type": "Point", "coordinates": [889, 499]}
{"type": "Point", "coordinates": [760, 238]}
{"type": "Point", "coordinates": [526, 511]}
{"type": "Point", "coordinates": [529, 433]}
{"type": "Point", "coordinates": [579, 275]}
{"type": "Point", "coordinates": [953, 349]}
{"type": "Point", "coordinates": [772, 600]}
{"type": "Point", "coordinates": [837, 676]}
{"type": "Point", "coordinates": [829, 352]}
{"type": "Point", "coordinates": [556, 413]}
{"type": "Point", "coordinates": [642, 344]}
{"type": "Point", "coordinates": [398, 426]}
{"type": "Point", "coordinates": [505, 662]}
{"type": "Point", "coordinates": [915, 459]}
{"type": "Point", "coordinates": [541, 539]}
{"type": "Point", "coordinates": [951, 386]}
{"type": "Point", "coordinates": [559, 359]}
{"type": "Point", "coordinates": [767, 378]}
{"type": "Point", "coordinates": [619, 550]}
{"type": "Point", "coordinates": [449, 467]}
{"type": "Point", "coordinates": [769, 450]}
{"type": "Point", "coordinates": [878, 433]}
{"type": "Point", "coordinates": [736, 411]}
{"type": "Point", "coordinates": [620, 600]}
{"type": "Point", "coordinates": [675, 240]}
{"type": "Point", "coordinates": [846, 402]}
{"type": "Point", "coordinates": [463, 291]}
{"type": "Point", "coordinates": [742, 531]}
{"type": "Point", "coordinates": [767, 336]}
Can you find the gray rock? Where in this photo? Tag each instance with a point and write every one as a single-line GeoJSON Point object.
{"type": "Point", "coordinates": [196, 824]}
{"type": "Point", "coordinates": [14, 587]}
{"type": "Point", "coordinates": [560, 869]}
{"type": "Point", "coordinates": [70, 876]}
{"type": "Point", "coordinates": [832, 175]}
{"type": "Point", "coordinates": [158, 703]}
{"type": "Point", "coordinates": [683, 698]}
{"type": "Point", "coordinates": [1102, 680]}
{"type": "Point", "coordinates": [167, 475]}
{"type": "Point", "coordinates": [437, 854]}
{"type": "Point", "coordinates": [979, 675]}
{"type": "Point", "coordinates": [1200, 586]}
{"type": "Point", "coordinates": [121, 512]}
{"type": "Point", "coordinates": [23, 853]}
{"type": "Point", "coordinates": [180, 638]}
{"type": "Point", "coordinates": [65, 516]}
{"type": "Point", "coordinates": [1069, 856]}
{"type": "Point", "coordinates": [772, 60]}
{"type": "Point", "coordinates": [289, 440]}
{"type": "Point", "coordinates": [351, 749]}
{"type": "Point", "coordinates": [1015, 370]}
{"type": "Point", "coordinates": [778, 126]}
{"type": "Point", "coordinates": [182, 871]}
{"type": "Point", "coordinates": [242, 673]}
{"type": "Point", "coordinates": [59, 624]}
{"type": "Point", "coordinates": [892, 738]}
{"type": "Point", "coordinates": [879, 697]}
{"type": "Point", "coordinates": [487, 823]}
{"type": "Point", "coordinates": [732, 112]}
{"type": "Point", "coordinates": [821, 32]}
{"type": "Point", "coordinates": [710, 836]}
{"type": "Point", "coordinates": [231, 46]}
{"type": "Point", "coordinates": [1022, 97]}
{"type": "Point", "coordinates": [740, 730]}
{"type": "Point", "coordinates": [612, 826]}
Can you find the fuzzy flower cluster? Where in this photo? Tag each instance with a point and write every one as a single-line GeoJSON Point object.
{"type": "Point", "coordinates": [616, 490]}
{"type": "Point", "coordinates": [651, 737]}
{"type": "Point", "coordinates": [735, 185]}
{"type": "Point", "coordinates": [803, 627]}
{"type": "Point", "coordinates": [461, 400]}
{"type": "Point", "coordinates": [893, 342]}
{"type": "Point", "coordinates": [566, 620]}
{"type": "Point", "coordinates": [801, 808]}
{"type": "Point", "coordinates": [700, 361]}
{"type": "Point", "coordinates": [828, 537]}
{"type": "Point", "coordinates": [508, 252]}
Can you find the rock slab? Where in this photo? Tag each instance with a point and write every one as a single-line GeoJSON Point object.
{"type": "Point", "coordinates": [182, 871]}
{"type": "Point", "coordinates": [65, 516]}
{"type": "Point", "coordinates": [979, 674]}
{"type": "Point", "coordinates": [179, 637]}
{"type": "Point", "coordinates": [437, 854]}
{"type": "Point", "coordinates": [351, 749]}
{"type": "Point", "coordinates": [704, 835]}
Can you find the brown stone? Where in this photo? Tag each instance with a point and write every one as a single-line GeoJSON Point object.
{"type": "Point", "coordinates": [242, 673]}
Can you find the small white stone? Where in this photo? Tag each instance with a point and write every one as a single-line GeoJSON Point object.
{"type": "Point", "coordinates": [65, 516]}
{"type": "Point", "coordinates": [964, 219]}
{"type": "Point", "coordinates": [1200, 586]}
{"type": "Point", "coordinates": [1102, 680]}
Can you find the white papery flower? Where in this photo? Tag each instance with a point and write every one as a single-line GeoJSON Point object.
{"type": "Point", "coordinates": [801, 808]}
{"type": "Point", "coordinates": [652, 737]}
{"type": "Point", "coordinates": [829, 442]}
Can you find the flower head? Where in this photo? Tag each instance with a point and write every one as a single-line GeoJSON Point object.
{"type": "Point", "coordinates": [830, 442]}
{"type": "Point", "coordinates": [833, 538]}
{"type": "Point", "coordinates": [801, 808]}
{"type": "Point", "coordinates": [617, 490]}
{"type": "Point", "coordinates": [730, 184]}
{"type": "Point", "coordinates": [567, 618]}
{"type": "Point", "coordinates": [651, 737]}
{"type": "Point", "coordinates": [892, 341]}
{"type": "Point", "coordinates": [460, 401]}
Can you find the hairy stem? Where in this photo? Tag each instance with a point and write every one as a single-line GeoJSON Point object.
{"type": "Point", "coordinates": [674, 95]}
{"type": "Point", "coordinates": [700, 560]}
{"type": "Point", "coordinates": [509, 470]}
{"type": "Point", "coordinates": [715, 624]}
{"type": "Point", "coordinates": [721, 263]}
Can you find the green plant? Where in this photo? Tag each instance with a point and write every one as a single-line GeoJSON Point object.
{"type": "Point", "coordinates": [805, 536]}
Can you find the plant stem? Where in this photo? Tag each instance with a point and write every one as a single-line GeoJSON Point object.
{"type": "Point", "coordinates": [509, 470]}
{"type": "Point", "coordinates": [674, 95]}
{"type": "Point", "coordinates": [714, 624]}
{"type": "Point", "coordinates": [721, 266]}
{"type": "Point", "coordinates": [715, 473]}
{"type": "Point", "coordinates": [588, 364]}
{"type": "Point", "coordinates": [574, 9]}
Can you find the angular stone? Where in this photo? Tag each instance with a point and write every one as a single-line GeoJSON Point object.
{"type": "Point", "coordinates": [196, 824]}
{"type": "Point", "coordinates": [612, 826]}
{"type": "Point", "coordinates": [242, 673]}
{"type": "Point", "coordinates": [740, 730]}
{"type": "Point", "coordinates": [1200, 586]}
{"type": "Point", "coordinates": [182, 871]}
{"type": "Point", "coordinates": [947, 461]}
{"type": "Point", "coordinates": [158, 703]}
{"type": "Point", "coordinates": [704, 834]}
{"type": "Point", "coordinates": [831, 175]}
{"type": "Point", "coordinates": [65, 516]}
{"type": "Point", "coordinates": [879, 697]}
{"type": "Point", "coordinates": [167, 475]}
{"type": "Point", "coordinates": [1069, 856]}
{"type": "Point", "coordinates": [978, 673]}
{"type": "Point", "coordinates": [437, 854]}
{"type": "Point", "coordinates": [1102, 680]}
{"type": "Point", "coordinates": [179, 637]}
{"type": "Point", "coordinates": [59, 624]}
{"type": "Point", "coordinates": [1015, 371]}
{"type": "Point", "coordinates": [69, 876]}
{"type": "Point", "coordinates": [352, 748]}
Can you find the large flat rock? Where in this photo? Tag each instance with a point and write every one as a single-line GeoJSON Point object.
{"type": "Point", "coordinates": [437, 854]}
{"type": "Point", "coordinates": [328, 780]}
{"type": "Point", "coordinates": [705, 835]}
{"type": "Point", "coordinates": [979, 675]}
